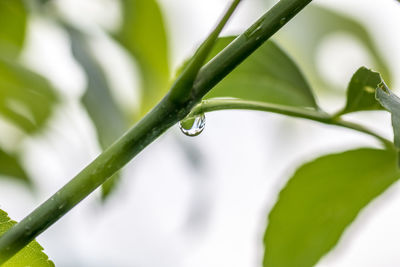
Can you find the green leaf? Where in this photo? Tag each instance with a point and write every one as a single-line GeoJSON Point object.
{"type": "Point", "coordinates": [32, 255]}
{"type": "Point", "coordinates": [303, 35]}
{"type": "Point", "coordinates": [26, 98]}
{"type": "Point", "coordinates": [10, 166]}
{"type": "Point", "coordinates": [13, 18]}
{"type": "Point", "coordinates": [108, 118]}
{"type": "Point", "coordinates": [361, 91]}
{"type": "Point", "coordinates": [143, 35]}
{"type": "Point", "coordinates": [268, 75]}
{"type": "Point", "coordinates": [321, 199]}
{"type": "Point", "coordinates": [391, 102]}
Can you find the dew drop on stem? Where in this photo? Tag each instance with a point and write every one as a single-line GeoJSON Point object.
{"type": "Point", "coordinates": [193, 126]}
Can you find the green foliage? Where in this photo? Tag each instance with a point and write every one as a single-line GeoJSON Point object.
{"type": "Point", "coordinates": [10, 166]}
{"type": "Point", "coordinates": [268, 75]}
{"type": "Point", "coordinates": [143, 35]}
{"type": "Point", "coordinates": [303, 36]}
{"type": "Point", "coordinates": [321, 199]}
{"type": "Point", "coordinates": [13, 18]}
{"type": "Point", "coordinates": [361, 91]}
{"type": "Point", "coordinates": [26, 98]}
{"type": "Point", "coordinates": [391, 102]}
{"type": "Point", "coordinates": [106, 115]}
{"type": "Point", "coordinates": [32, 255]}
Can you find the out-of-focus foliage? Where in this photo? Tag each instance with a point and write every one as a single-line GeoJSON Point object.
{"type": "Point", "coordinates": [26, 98]}
{"type": "Point", "coordinates": [303, 35]}
{"type": "Point", "coordinates": [13, 18]}
{"type": "Point", "coordinates": [321, 199]}
{"type": "Point", "coordinates": [11, 167]}
{"type": "Point", "coordinates": [109, 120]}
{"type": "Point", "coordinates": [32, 255]}
{"type": "Point", "coordinates": [143, 35]}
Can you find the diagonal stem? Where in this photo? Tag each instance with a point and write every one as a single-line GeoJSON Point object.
{"type": "Point", "coordinates": [157, 121]}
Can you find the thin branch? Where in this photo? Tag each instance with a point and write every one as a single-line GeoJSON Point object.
{"type": "Point", "coordinates": [319, 116]}
{"type": "Point", "coordinates": [181, 89]}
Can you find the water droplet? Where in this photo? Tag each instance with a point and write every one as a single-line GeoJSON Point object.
{"type": "Point", "coordinates": [193, 126]}
{"type": "Point", "coordinates": [282, 21]}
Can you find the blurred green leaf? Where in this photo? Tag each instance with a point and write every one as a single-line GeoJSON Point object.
{"type": "Point", "coordinates": [361, 91]}
{"type": "Point", "coordinates": [303, 35]}
{"type": "Point", "coordinates": [321, 200]}
{"type": "Point", "coordinates": [108, 118]}
{"type": "Point", "coordinates": [13, 18]}
{"type": "Point", "coordinates": [391, 102]}
{"type": "Point", "coordinates": [268, 75]}
{"type": "Point", "coordinates": [26, 98]}
{"type": "Point", "coordinates": [143, 35]}
{"type": "Point", "coordinates": [10, 166]}
{"type": "Point", "coordinates": [32, 255]}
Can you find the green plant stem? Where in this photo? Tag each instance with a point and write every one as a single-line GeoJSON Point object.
{"type": "Point", "coordinates": [168, 112]}
{"type": "Point", "coordinates": [181, 90]}
{"type": "Point", "coordinates": [223, 104]}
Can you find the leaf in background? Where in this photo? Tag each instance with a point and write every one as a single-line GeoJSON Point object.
{"type": "Point", "coordinates": [143, 35]}
{"type": "Point", "coordinates": [32, 255]}
{"type": "Point", "coordinates": [321, 200]}
{"type": "Point", "coordinates": [26, 98]}
{"type": "Point", "coordinates": [361, 91]}
{"type": "Point", "coordinates": [109, 120]}
{"type": "Point", "coordinates": [10, 166]}
{"type": "Point", "coordinates": [268, 75]}
{"type": "Point", "coordinates": [303, 35]}
{"type": "Point", "coordinates": [391, 102]}
{"type": "Point", "coordinates": [13, 18]}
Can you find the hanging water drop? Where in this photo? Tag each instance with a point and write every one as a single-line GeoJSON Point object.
{"type": "Point", "coordinates": [193, 126]}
